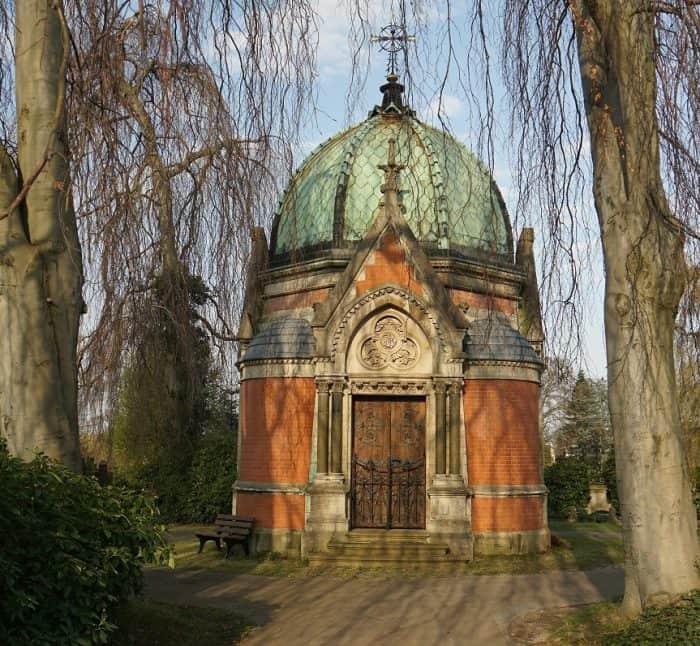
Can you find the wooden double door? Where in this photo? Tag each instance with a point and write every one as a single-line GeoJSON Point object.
{"type": "Point", "coordinates": [388, 462]}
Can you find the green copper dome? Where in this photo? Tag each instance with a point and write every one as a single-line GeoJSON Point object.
{"type": "Point", "coordinates": [448, 197]}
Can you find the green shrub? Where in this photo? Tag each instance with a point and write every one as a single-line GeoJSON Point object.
{"type": "Point", "coordinates": [211, 475]}
{"type": "Point", "coordinates": [678, 623]}
{"type": "Point", "coordinates": [569, 484]}
{"type": "Point", "coordinates": [70, 552]}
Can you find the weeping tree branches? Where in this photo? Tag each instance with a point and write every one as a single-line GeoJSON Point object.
{"type": "Point", "coordinates": [188, 112]}
{"type": "Point", "coordinates": [181, 120]}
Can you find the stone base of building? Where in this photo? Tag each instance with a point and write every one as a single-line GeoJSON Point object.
{"type": "Point", "coordinates": [530, 542]}
{"type": "Point", "coordinates": [448, 515]}
{"type": "Point", "coordinates": [286, 542]}
{"type": "Point", "coordinates": [326, 514]}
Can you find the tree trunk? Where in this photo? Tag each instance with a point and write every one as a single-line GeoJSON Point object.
{"type": "Point", "coordinates": [644, 281]}
{"type": "Point", "coordinates": [40, 260]}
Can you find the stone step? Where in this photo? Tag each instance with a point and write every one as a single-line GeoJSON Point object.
{"type": "Point", "coordinates": [384, 535]}
{"type": "Point", "coordinates": [407, 550]}
{"type": "Point", "coordinates": [377, 547]}
{"type": "Point", "coordinates": [324, 558]}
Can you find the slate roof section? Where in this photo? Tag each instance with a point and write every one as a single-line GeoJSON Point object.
{"type": "Point", "coordinates": [282, 339]}
{"type": "Point", "coordinates": [491, 340]}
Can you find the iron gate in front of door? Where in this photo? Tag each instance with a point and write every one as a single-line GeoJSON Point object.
{"type": "Point", "coordinates": [388, 463]}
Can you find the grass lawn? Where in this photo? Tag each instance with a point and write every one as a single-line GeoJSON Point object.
{"type": "Point", "coordinates": [147, 623]}
{"type": "Point", "coordinates": [581, 546]}
{"type": "Point", "coordinates": [601, 624]}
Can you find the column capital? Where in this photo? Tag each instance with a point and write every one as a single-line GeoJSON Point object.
{"type": "Point", "coordinates": [440, 384]}
{"type": "Point", "coordinates": [323, 384]}
{"type": "Point", "coordinates": [337, 385]}
{"type": "Point", "coordinates": [456, 386]}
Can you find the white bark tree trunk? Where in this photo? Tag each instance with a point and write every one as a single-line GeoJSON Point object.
{"type": "Point", "coordinates": [40, 260]}
{"type": "Point", "coordinates": [645, 277]}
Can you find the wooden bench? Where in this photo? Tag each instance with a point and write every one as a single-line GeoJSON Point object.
{"type": "Point", "coordinates": [229, 529]}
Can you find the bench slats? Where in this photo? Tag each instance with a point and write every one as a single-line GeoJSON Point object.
{"type": "Point", "coordinates": [233, 523]}
{"type": "Point", "coordinates": [230, 529]}
{"type": "Point", "coordinates": [248, 519]}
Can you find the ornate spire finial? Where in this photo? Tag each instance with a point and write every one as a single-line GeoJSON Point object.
{"type": "Point", "coordinates": [390, 187]}
{"type": "Point", "coordinates": [392, 39]}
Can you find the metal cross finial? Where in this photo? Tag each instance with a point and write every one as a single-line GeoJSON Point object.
{"type": "Point", "coordinates": [393, 39]}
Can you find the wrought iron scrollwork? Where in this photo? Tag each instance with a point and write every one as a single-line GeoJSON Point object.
{"type": "Point", "coordinates": [389, 493]}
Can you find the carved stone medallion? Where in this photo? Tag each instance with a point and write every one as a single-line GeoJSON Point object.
{"type": "Point", "coordinates": [389, 346]}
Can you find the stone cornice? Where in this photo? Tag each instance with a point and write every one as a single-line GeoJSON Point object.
{"type": "Point", "coordinates": [498, 491]}
{"type": "Point", "coordinates": [296, 488]}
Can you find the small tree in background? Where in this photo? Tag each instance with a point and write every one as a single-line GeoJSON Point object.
{"type": "Point", "coordinates": [585, 432]}
{"type": "Point", "coordinates": [569, 484]}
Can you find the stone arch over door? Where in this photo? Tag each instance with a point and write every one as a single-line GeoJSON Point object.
{"type": "Point", "coordinates": [438, 338]}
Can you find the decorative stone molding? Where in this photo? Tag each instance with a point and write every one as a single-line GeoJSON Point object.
{"type": "Point", "coordinates": [508, 370]}
{"type": "Point", "coordinates": [278, 368]}
{"type": "Point", "coordinates": [393, 387]}
{"type": "Point", "coordinates": [270, 487]}
{"type": "Point", "coordinates": [376, 294]}
{"type": "Point", "coordinates": [497, 491]}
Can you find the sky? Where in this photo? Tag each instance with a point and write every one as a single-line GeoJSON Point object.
{"type": "Point", "coordinates": [334, 113]}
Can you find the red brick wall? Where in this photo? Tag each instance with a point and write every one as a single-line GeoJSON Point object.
{"type": "Point", "coordinates": [276, 425]}
{"type": "Point", "coordinates": [389, 265]}
{"type": "Point", "coordinates": [272, 510]}
{"type": "Point", "coordinates": [502, 426]}
{"type": "Point", "coordinates": [295, 300]}
{"type": "Point", "coordinates": [503, 448]}
{"type": "Point", "coordinates": [507, 514]}
{"type": "Point", "coordinates": [484, 301]}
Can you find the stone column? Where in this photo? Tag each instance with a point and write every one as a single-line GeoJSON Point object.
{"type": "Point", "coordinates": [455, 426]}
{"type": "Point", "coordinates": [440, 426]}
{"type": "Point", "coordinates": [326, 502]}
{"type": "Point", "coordinates": [323, 387]}
{"type": "Point", "coordinates": [337, 426]}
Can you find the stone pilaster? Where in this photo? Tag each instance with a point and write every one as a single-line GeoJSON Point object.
{"type": "Point", "coordinates": [455, 426]}
{"type": "Point", "coordinates": [440, 426]}
{"type": "Point", "coordinates": [322, 390]}
{"type": "Point", "coordinates": [326, 497]}
{"type": "Point", "coordinates": [448, 517]}
{"type": "Point", "coordinates": [337, 389]}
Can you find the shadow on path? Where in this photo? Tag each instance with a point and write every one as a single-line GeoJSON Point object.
{"type": "Point", "coordinates": [326, 610]}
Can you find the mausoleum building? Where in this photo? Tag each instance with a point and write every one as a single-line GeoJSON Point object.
{"type": "Point", "coordinates": [390, 356]}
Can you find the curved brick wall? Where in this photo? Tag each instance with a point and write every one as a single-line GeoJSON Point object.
{"type": "Point", "coordinates": [277, 416]}
{"type": "Point", "coordinates": [503, 442]}
{"type": "Point", "coordinates": [507, 514]}
{"type": "Point", "coordinates": [272, 511]}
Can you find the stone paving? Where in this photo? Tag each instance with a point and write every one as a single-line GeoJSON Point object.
{"type": "Point", "coordinates": [407, 612]}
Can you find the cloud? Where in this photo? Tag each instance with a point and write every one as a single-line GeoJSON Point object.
{"type": "Point", "coordinates": [446, 107]}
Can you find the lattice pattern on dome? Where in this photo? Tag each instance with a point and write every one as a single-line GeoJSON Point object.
{"type": "Point", "coordinates": [473, 203]}
{"type": "Point", "coordinates": [418, 195]}
{"type": "Point", "coordinates": [307, 207]}
{"type": "Point", "coordinates": [447, 194]}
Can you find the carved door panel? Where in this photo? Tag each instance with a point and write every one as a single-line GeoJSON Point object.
{"type": "Point", "coordinates": [388, 465]}
{"type": "Point", "coordinates": [407, 463]}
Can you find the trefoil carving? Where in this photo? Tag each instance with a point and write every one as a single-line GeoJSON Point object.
{"type": "Point", "coordinates": [389, 346]}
